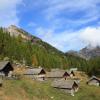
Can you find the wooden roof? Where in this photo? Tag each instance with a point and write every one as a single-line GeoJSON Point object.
{"type": "Point", "coordinates": [64, 84]}
{"type": "Point", "coordinates": [3, 64]}
{"type": "Point", "coordinates": [93, 78]}
{"type": "Point", "coordinates": [35, 71]}
{"type": "Point", "coordinates": [55, 73]}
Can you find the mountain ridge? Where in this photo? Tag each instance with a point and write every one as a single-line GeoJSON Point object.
{"type": "Point", "coordinates": [87, 52]}
{"type": "Point", "coordinates": [26, 36]}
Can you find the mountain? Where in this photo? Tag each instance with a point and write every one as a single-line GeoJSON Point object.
{"type": "Point", "coordinates": [86, 53]}
{"type": "Point", "coordinates": [90, 52]}
{"type": "Point", "coordinates": [16, 31]}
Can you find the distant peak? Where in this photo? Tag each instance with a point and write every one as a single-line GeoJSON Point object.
{"type": "Point", "coordinates": [14, 30]}
{"type": "Point", "coordinates": [90, 47]}
{"type": "Point", "coordinates": [13, 27]}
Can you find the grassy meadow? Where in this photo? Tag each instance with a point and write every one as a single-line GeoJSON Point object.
{"type": "Point", "coordinates": [27, 89]}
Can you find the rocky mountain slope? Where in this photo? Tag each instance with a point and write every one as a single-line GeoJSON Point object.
{"type": "Point", "coordinates": [86, 53]}
{"type": "Point", "coordinates": [90, 52]}
{"type": "Point", "coordinates": [16, 31]}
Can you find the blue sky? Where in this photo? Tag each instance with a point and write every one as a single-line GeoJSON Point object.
{"type": "Point", "coordinates": [65, 24]}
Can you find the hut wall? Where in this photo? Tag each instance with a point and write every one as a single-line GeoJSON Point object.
{"type": "Point", "coordinates": [53, 78]}
{"type": "Point", "coordinates": [7, 69]}
{"type": "Point", "coordinates": [29, 76]}
{"type": "Point", "coordinates": [1, 80]}
{"type": "Point", "coordinates": [70, 91]}
{"type": "Point", "coordinates": [10, 74]}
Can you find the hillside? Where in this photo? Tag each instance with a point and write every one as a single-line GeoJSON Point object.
{"type": "Point", "coordinates": [90, 66]}
{"type": "Point", "coordinates": [76, 61]}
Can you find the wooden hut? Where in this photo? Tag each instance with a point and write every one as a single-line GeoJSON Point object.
{"type": "Point", "coordinates": [6, 68]}
{"type": "Point", "coordinates": [69, 86]}
{"type": "Point", "coordinates": [94, 81]}
{"type": "Point", "coordinates": [36, 73]}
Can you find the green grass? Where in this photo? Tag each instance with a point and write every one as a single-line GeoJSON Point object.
{"type": "Point", "coordinates": [33, 90]}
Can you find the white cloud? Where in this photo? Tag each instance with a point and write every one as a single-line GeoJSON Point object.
{"type": "Point", "coordinates": [32, 24]}
{"type": "Point", "coordinates": [67, 15]}
{"type": "Point", "coordinates": [91, 36]}
{"type": "Point", "coordinates": [55, 12]}
{"type": "Point", "coordinates": [70, 40]}
{"type": "Point", "coordinates": [63, 41]}
{"type": "Point", "coordinates": [56, 7]}
{"type": "Point", "coordinates": [70, 14]}
{"type": "Point", "coordinates": [66, 10]}
{"type": "Point", "coordinates": [44, 33]}
{"type": "Point", "coordinates": [8, 12]}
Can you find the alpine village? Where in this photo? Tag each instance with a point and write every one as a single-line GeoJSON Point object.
{"type": "Point", "coordinates": [31, 69]}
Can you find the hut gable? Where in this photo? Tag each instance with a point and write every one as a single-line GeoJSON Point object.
{"type": "Point", "coordinates": [66, 74]}
{"type": "Point", "coordinates": [70, 73]}
{"type": "Point", "coordinates": [5, 67]}
{"type": "Point", "coordinates": [94, 81]}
